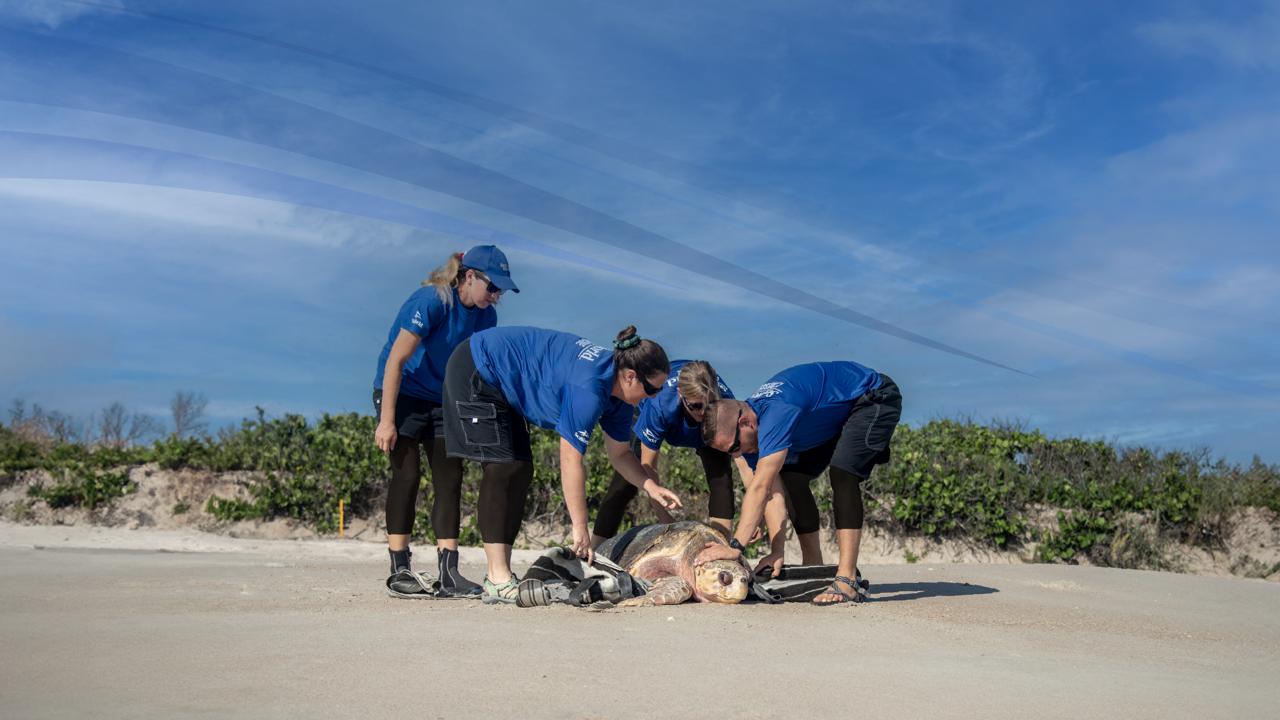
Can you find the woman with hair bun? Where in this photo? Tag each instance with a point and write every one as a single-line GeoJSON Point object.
{"type": "Point", "coordinates": [675, 416]}
{"type": "Point", "coordinates": [454, 302]}
{"type": "Point", "coordinates": [500, 380]}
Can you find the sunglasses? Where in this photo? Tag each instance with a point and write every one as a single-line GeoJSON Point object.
{"type": "Point", "coordinates": [649, 390]}
{"type": "Point", "coordinates": [489, 286]}
{"type": "Point", "coordinates": [737, 435]}
{"type": "Point", "coordinates": [693, 407]}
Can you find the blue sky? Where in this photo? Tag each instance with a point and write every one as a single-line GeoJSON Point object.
{"type": "Point", "coordinates": [235, 197]}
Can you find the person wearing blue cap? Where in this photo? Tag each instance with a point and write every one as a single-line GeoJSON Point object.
{"type": "Point", "coordinates": [674, 416]}
{"type": "Point", "coordinates": [500, 380]}
{"type": "Point", "coordinates": [836, 415]}
{"type": "Point", "coordinates": [453, 303]}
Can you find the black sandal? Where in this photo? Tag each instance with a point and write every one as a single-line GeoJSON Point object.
{"type": "Point", "coordinates": [858, 595]}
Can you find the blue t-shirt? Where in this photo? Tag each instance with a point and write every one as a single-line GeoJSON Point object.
{"type": "Point", "coordinates": [804, 406]}
{"type": "Point", "coordinates": [556, 380]}
{"type": "Point", "coordinates": [441, 329]}
{"type": "Point", "coordinates": [662, 417]}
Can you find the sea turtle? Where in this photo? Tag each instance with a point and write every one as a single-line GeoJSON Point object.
{"type": "Point", "coordinates": [682, 560]}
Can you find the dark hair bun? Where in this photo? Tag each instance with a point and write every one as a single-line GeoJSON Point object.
{"type": "Point", "coordinates": [627, 339]}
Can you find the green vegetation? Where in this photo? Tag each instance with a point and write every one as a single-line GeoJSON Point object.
{"type": "Point", "coordinates": [84, 486]}
{"type": "Point", "coordinates": [1001, 486]}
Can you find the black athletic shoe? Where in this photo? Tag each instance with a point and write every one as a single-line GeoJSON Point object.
{"type": "Point", "coordinates": [452, 584]}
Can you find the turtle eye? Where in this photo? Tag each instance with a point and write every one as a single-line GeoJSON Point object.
{"type": "Point", "coordinates": [725, 578]}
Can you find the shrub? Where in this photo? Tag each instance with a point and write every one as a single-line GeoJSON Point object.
{"type": "Point", "coordinates": [84, 486]}
{"type": "Point", "coordinates": [17, 453]}
{"type": "Point", "coordinates": [1115, 506]}
{"type": "Point", "coordinates": [950, 478]}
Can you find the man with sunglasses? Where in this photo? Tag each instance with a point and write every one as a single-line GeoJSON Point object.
{"type": "Point", "coordinates": [805, 419]}
{"type": "Point", "coordinates": [674, 415]}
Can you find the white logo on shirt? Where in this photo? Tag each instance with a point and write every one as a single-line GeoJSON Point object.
{"type": "Point", "coordinates": [650, 435]}
{"type": "Point", "coordinates": [768, 389]}
{"type": "Point", "coordinates": [583, 436]}
{"type": "Point", "coordinates": [417, 318]}
{"type": "Point", "coordinates": [590, 351]}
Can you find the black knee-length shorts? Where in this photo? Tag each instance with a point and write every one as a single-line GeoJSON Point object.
{"type": "Point", "coordinates": [479, 423]}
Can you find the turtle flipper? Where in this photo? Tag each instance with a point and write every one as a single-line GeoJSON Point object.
{"type": "Point", "coordinates": [670, 590]}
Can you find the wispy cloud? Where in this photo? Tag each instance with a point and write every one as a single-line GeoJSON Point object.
{"type": "Point", "coordinates": [1247, 42]}
{"type": "Point", "coordinates": [1086, 207]}
{"type": "Point", "coordinates": [52, 14]}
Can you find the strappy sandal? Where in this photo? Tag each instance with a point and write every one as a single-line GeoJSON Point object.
{"type": "Point", "coordinates": [409, 585]}
{"type": "Point", "coordinates": [507, 593]}
{"type": "Point", "coordinates": [858, 595]}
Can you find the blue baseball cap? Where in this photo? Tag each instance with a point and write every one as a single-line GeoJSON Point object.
{"type": "Point", "coordinates": [489, 260]}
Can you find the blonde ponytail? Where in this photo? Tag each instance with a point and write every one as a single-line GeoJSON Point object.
{"type": "Point", "coordinates": [446, 277]}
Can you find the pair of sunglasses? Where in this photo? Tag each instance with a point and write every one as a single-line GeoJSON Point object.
{"type": "Point", "coordinates": [489, 286]}
{"type": "Point", "coordinates": [737, 435]}
{"type": "Point", "coordinates": [649, 390]}
{"type": "Point", "coordinates": [695, 407]}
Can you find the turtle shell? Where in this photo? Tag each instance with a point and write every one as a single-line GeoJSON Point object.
{"type": "Point", "coordinates": [656, 551]}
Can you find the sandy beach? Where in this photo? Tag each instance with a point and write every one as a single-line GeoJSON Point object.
{"type": "Point", "coordinates": [156, 624]}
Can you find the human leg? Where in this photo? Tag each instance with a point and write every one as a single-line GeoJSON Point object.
{"type": "Point", "coordinates": [719, 469]}
{"type": "Point", "coordinates": [614, 504]}
{"type": "Point", "coordinates": [412, 423]}
{"type": "Point", "coordinates": [446, 482]}
{"type": "Point", "coordinates": [805, 519]}
{"type": "Point", "coordinates": [864, 443]}
{"type": "Point", "coordinates": [612, 507]}
{"type": "Point", "coordinates": [402, 492]}
{"type": "Point", "coordinates": [504, 488]}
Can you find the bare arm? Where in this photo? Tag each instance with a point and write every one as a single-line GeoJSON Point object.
{"type": "Point", "coordinates": [573, 482]}
{"type": "Point", "coordinates": [649, 462]}
{"type": "Point", "coordinates": [401, 350]}
{"type": "Point", "coordinates": [629, 468]}
{"type": "Point", "coordinates": [775, 518]}
{"type": "Point", "coordinates": [757, 492]}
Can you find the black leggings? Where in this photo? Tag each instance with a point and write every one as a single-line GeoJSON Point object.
{"type": "Point", "coordinates": [504, 486]}
{"type": "Point", "coordinates": [503, 489]}
{"type": "Point", "coordinates": [719, 470]}
{"type": "Point", "coordinates": [402, 492]}
{"type": "Point", "coordinates": [846, 500]}
{"type": "Point", "coordinates": [801, 505]}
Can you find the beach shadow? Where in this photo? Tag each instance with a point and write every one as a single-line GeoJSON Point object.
{"type": "Point", "coordinates": [892, 592]}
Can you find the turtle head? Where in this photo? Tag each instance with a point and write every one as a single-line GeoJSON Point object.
{"type": "Point", "coordinates": [720, 581]}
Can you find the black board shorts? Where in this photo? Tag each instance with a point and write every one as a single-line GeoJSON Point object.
{"type": "Point", "coordinates": [416, 417]}
{"type": "Point", "coordinates": [863, 441]}
{"type": "Point", "coordinates": [479, 422]}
